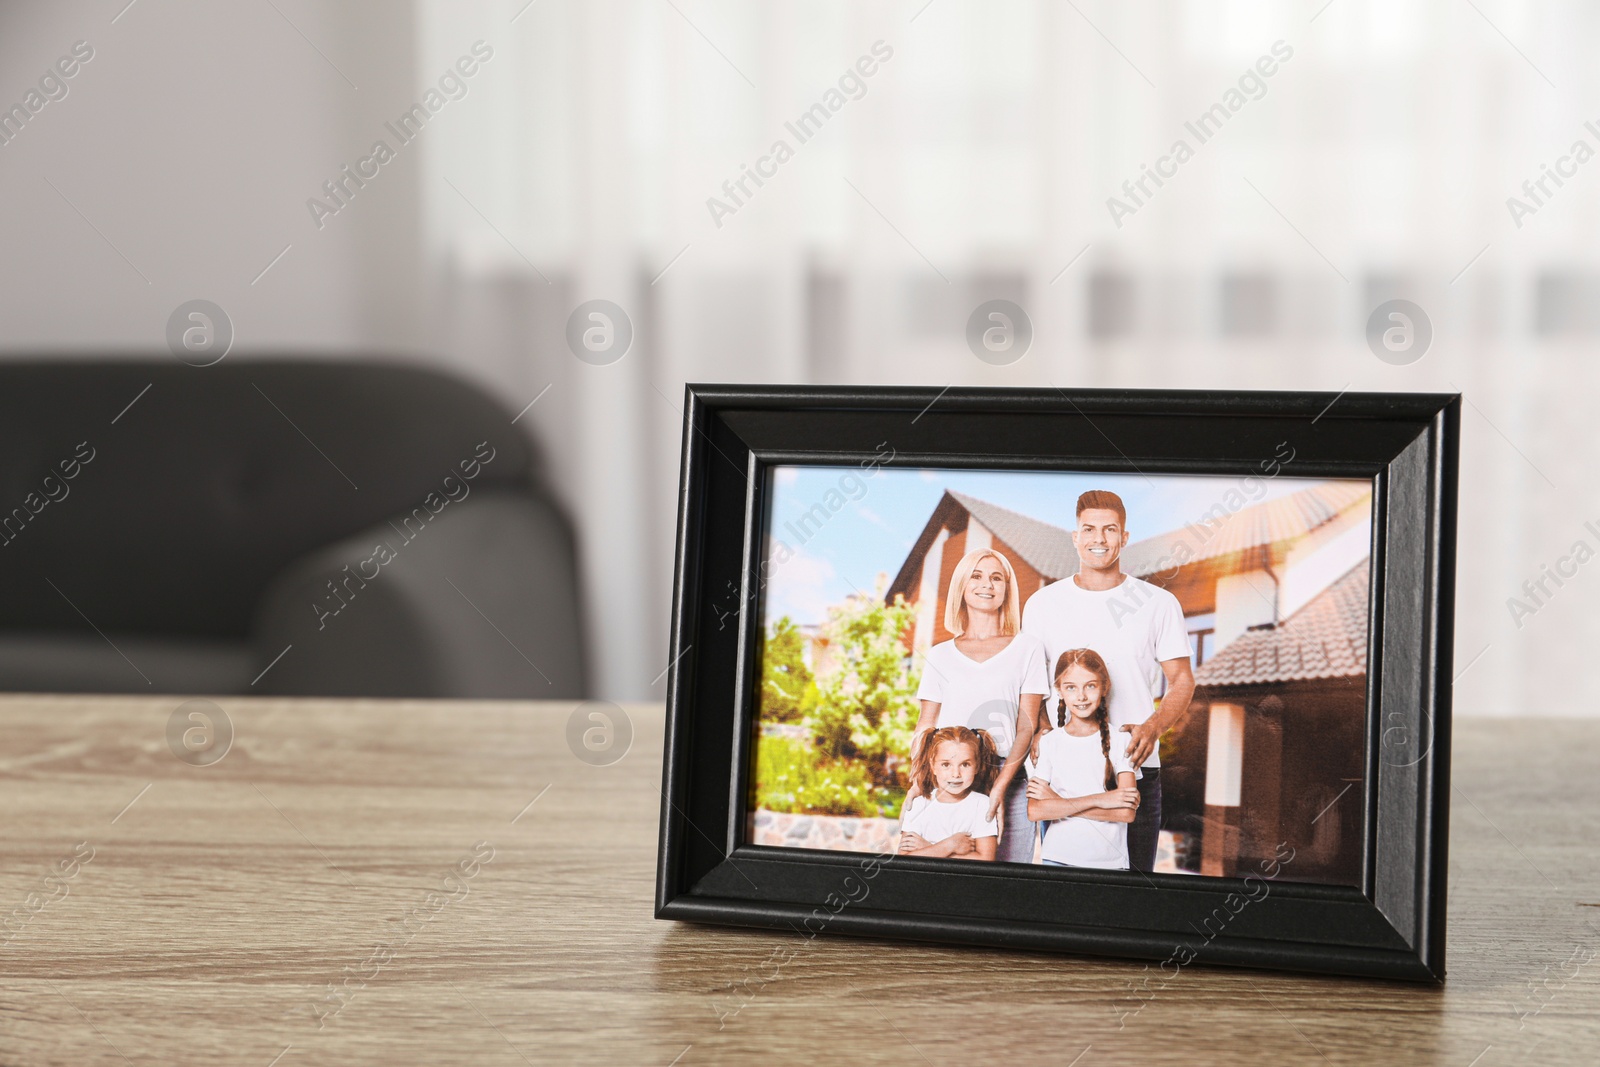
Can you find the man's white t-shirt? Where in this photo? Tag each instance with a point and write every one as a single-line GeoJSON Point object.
{"type": "Point", "coordinates": [1133, 626]}
{"type": "Point", "coordinates": [984, 696]}
{"type": "Point", "coordinates": [936, 821]}
{"type": "Point", "coordinates": [1076, 767]}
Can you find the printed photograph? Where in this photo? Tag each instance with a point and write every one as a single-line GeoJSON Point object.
{"type": "Point", "coordinates": [1128, 672]}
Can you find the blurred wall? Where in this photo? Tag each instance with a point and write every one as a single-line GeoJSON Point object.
{"type": "Point", "coordinates": [178, 165]}
{"type": "Point", "coordinates": [978, 160]}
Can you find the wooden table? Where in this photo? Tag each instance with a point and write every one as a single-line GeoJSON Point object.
{"type": "Point", "coordinates": [221, 903]}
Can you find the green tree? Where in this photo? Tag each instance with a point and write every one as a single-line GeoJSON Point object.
{"type": "Point", "coordinates": [866, 704]}
{"type": "Point", "coordinates": [785, 678]}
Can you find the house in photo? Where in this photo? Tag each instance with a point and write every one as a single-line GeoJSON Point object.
{"type": "Point", "coordinates": [1275, 598]}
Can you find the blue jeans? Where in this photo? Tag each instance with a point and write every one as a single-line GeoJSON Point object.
{"type": "Point", "coordinates": [1017, 836]}
{"type": "Point", "coordinates": [1144, 833]}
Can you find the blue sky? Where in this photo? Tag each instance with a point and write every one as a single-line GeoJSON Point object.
{"type": "Point", "coordinates": [872, 534]}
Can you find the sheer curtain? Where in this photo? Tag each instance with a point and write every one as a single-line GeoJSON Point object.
{"type": "Point", "coordinates": [976, 160]}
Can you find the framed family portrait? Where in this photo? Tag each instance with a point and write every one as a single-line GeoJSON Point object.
{"type": "Point", "coordinates": [1154, 674]}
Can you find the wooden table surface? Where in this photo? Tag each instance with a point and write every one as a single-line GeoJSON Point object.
{"type": "Point", "coordinates": [166, 913]}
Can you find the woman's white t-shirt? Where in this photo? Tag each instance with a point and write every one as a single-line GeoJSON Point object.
{"type": "Point", "coordinates": [1076, 767]}
{"type": "Point", "coordinates": [936, 821]}
{"type": "Point", "coordinates": [984, 696]}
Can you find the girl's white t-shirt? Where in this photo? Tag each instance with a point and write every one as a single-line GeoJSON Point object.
{"type": "Point", "coordinates": [1135, 627]}
{"type": "Point", "coordinates": [1076, 767]}
{"type": "Point", "coordinates": [984, 696]}
{"type": "Point", "coordinates": [936, 821]}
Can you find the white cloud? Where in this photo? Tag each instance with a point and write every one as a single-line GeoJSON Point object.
{"type": "Point", "coordinates": [798, 587]}
{"type": "Point", "coordinates": [873, 517]}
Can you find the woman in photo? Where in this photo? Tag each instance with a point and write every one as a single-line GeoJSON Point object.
{"type": "Point", "coordinates": [1082, 785]}
{"type": "Point", "coordinates": [951, 816]}
{"type": "Point", "coordinates": [990, 677]}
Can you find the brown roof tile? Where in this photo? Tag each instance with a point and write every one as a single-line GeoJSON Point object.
{"type": "Point", "coordinates": [1327, 638]}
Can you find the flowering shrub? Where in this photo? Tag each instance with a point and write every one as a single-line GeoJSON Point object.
{"type": "Point", "coordinates": [859, 708]}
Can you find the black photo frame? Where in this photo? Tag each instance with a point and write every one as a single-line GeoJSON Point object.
{"type": "Point", "coordinates": [1391, 926]}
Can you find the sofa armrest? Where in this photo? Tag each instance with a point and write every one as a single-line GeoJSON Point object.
{"type": "Point", "coordinates": [479, 599]}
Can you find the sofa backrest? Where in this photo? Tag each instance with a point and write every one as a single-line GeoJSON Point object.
{"type": "Point", "coordinates": [181, 507]}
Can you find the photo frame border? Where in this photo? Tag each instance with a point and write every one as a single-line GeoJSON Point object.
{"type": "Point", "coordinates": [1391, 926]}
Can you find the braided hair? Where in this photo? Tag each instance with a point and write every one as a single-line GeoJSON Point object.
{"type": "Point", "coordinates": [1089, 660]}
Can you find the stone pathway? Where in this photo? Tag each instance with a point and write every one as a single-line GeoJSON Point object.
{"type": "Point", "coordinates": [839, 832]}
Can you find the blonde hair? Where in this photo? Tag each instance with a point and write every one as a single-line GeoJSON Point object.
{"type": "Point", "coordinates": [955, 602]}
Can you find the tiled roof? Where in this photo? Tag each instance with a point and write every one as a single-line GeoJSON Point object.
{"type": "Point", "coordinates": [1050, 551]}
{"type": "Point", "coordinates": [1327, 638]}
{"type": "Point", "coordinates": [1283, 519]}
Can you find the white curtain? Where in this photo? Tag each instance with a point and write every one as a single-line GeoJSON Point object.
{"type": "Point", "coordinates": [1374, 162]}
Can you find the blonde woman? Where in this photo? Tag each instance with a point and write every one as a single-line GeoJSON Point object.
{"type": "Point", "coordinates": [990, 676]}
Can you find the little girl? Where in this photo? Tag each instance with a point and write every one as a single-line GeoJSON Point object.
{"type": "Point", "coordinates": [954, 770]}
{"type": "Point", "coordinates": [1080, 782]}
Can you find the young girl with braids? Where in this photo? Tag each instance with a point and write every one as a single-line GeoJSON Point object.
{"type": "Point", "coordinates": [949, 816]}
{"type": "Point", "coordinates": [1082, 781]}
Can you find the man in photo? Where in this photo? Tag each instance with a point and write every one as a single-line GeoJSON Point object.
{"type": "Point", "coordinates": [1138, 629]}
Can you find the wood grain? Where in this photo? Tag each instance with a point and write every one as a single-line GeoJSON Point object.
{"type": "Point", "coordinates": [218, 907]}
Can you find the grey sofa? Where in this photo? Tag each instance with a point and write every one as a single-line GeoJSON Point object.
{"type": "Point", "coordinates": [284, 527]}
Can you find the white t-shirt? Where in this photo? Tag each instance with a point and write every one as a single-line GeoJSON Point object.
{"type": "Point", "coordinates": [936, 821]}
{"type": "Point", "coordinates": [1134, 627]}
{"type": "Point", "coordinates": [984, 696]}
{"type": "Point", "coordinates": [1076, 767]}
